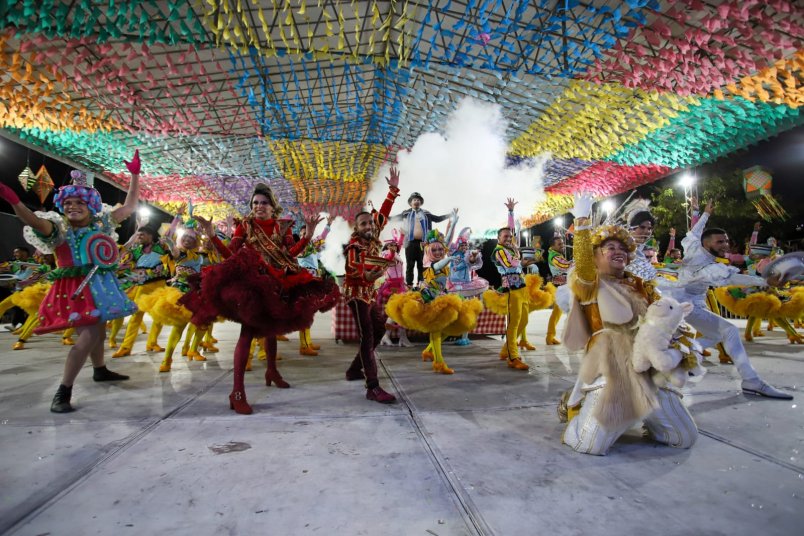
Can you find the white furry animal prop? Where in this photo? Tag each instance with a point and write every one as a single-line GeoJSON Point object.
{"type": "Point", "coordinates": [666, 345]}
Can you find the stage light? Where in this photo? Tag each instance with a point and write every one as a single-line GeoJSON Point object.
{"type": "Point", "coordinates": [686, 180]}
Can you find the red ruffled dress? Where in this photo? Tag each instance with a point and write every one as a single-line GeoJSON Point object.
{"type": "Point", "coordinates": [260, 284]}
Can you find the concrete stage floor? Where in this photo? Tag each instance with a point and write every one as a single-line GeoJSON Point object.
{"type": "Point", "coordinates": [474, 453]}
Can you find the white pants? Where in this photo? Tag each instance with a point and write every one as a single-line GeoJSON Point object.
{"type": "Point", "coordinates": [670, 424]}
{"type": "Point", "coordinates": [716, 329]}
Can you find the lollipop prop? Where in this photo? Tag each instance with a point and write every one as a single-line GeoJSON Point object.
{"type": "Point", "coordinates": [100, 251]}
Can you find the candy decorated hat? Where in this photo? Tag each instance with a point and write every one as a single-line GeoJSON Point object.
{"type": "Point", "coordinates": [80, 189]}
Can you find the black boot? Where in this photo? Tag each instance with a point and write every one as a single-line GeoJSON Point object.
{"type": "Point", "coordinates": [61, 401]}
{"type": "Point", "coordinates": [102, 374]}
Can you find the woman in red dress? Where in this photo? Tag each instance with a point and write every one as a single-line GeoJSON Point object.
{"type": "Point", "coordinates": [261, 286]}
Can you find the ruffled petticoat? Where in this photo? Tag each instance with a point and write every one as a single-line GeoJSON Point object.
{"type": "Point", "coordinates": [244, 289]}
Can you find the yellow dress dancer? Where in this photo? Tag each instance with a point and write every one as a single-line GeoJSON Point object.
{"type": "Point", "coordinates": [193, 340]}
{"type": "Point", "coordinates": [147, 276]}
{"type": "Point", "coordinates": [163, 304]}
{"type": "Point", "coordinates": [114, 329]}
{"type": "Point", "coordinates": [540, 296]}
{"type": "Point", "coordinates": [559, 266]}
{"type": "Point", "coordinates": [757, 303]}
{"type": "Point", "coordinates": [431, 310]}
{"type": "Point", "coordinates": [513, 291]}
{"type": "Point", "coordinates": [28, 299]}
{"type": "Point", "coordinates": [31, 290]}
{"type": "Point", "coordinates": [124, 271]}
{"type": "Point", "coordinates": [537, 298]}
{"type": "Point", "coordinates": [209, 256]}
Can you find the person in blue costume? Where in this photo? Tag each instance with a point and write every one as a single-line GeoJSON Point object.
{"type": "Point", "coordinates": [463, 279]}
{"type": "Point", "coordinates": [85, 291]}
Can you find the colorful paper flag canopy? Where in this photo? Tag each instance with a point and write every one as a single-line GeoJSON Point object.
{"type": "Point", "coordinates": [315, 97]}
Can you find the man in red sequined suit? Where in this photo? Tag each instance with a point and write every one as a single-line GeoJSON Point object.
{"type": "Point", "coordinates": [363, 267]}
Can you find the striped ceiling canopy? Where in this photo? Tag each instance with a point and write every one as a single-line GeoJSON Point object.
{"type": "Point", "coordinates": [313, 96]}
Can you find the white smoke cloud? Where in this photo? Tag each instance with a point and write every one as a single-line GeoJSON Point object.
{"type": "Point", "coordinates": [332, 255]}
{"type": "Point", "coordinates": [465, 168]}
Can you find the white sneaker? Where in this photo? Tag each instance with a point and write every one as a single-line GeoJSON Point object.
{"type": "Point", "coordinates": [757, 386]}
{"type": "Point", "coordinates": [386, 340]}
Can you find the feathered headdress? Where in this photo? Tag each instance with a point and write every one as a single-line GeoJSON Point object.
{"type": "Point", "coordinates": [397, 238]}
{"type": "Point", "coordinates": [463, 238]}
{"type": "Point", "coordinates": [434, 236]}
{"type": "Point", "coordinates": [613, 232]}
{"type": "Point", "coordinates": [637, 212]}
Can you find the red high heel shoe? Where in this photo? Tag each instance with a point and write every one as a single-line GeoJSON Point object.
{"type": "Point", "coordinates": [237, 402]}
{"type": "Point", "coordinates": [274, 376]}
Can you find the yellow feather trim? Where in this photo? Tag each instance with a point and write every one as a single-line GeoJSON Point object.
{"type": "Point", "coordinates": [794, 307]}
{"type": "Point", "coordinates": [163, 306]}
{"type": "Point", "coordinates": [409, 311]}
{"type": "Point", "coordinates": [496, 302]}
{"type": "Point", "coordinates": [30, 298]}
{"type": "Point", "coordinates": [467, 317]}
{"type": "Point", "coordinates": [758, 304]}
{"type": "Point", "coordinates": [538, 298]}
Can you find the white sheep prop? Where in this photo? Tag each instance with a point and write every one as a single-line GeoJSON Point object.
{"type": "Point", "coordinates": [666, 345]}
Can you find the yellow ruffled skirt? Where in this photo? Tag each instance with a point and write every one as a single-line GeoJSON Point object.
{"type": "Point", "coordinates": [164, 307]}
{"type": "Point", "coordinates": [448, 314]}
{"type": "Point", "coordinates": [30, 298]}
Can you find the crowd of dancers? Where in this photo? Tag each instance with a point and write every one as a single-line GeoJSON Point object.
{"type": "Point", "coordinates": [616, 294]}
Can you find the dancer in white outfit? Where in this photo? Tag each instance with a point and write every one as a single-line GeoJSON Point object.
{"type": "Point", "coordinates": [603, 319]}
{"type": "Point", "coordinates": [701, 270]}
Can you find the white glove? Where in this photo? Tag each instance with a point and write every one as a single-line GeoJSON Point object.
{"type": "Point", "coordinates": [583, 205]}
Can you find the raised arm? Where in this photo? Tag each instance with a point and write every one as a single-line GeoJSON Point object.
{"type": "Point", "coordinates": [453, 222]}
{"type": "Point", "coordinates": [510, 204]}
{"type": "Point", "coordinates": [692, 240]}
{"type": "Point", "coordinates": [755, 234]}
{"type": "Point", "coordinates": [671, 245]}
{"type": "Point", "coordinates": [383, 216]}
{"type": "Point", "coordinates": [325, 232]}
{"type": "Point", "coordinates": [40, 225]}
{"type": "Point", "coordinates": [133, 196]}
{"type": "Point", "coordinates": [439, 219]}
{"type": "Point", "coordinates": [583, 279]}
{"type": "Point", "coordinates": [311, 223]}
{"type": "Point", "coordinates": [209, 230]}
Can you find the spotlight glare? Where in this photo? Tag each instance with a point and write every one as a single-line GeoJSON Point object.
{"type": "Point", "coordinates": [686, 180]}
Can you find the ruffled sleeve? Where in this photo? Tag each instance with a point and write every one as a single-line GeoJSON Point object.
{"type": "Point", "coordinates": [106, 222]}
{"type": "Point", "coordinates": [47, 244]}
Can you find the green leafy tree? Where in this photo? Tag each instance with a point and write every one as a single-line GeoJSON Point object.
{"type": "Point", "coordinates": [733, 212]}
